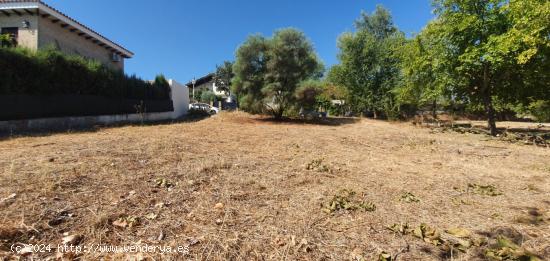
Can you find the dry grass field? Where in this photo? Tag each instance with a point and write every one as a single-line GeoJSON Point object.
{"type": "Point", "coordinates": [240, 187]}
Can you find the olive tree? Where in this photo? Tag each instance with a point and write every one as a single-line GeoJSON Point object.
{"type": "Point", "coordinates": [268, 71]}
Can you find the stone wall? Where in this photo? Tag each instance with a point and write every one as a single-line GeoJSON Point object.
{"type": "Point", "coordinates": [43, 33]}
{"type": "Point", "coordinates": [27, 37]}
{"type": "Point", "coordinates": [71, 43]}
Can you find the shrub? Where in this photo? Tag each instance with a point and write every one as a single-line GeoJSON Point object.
{"type": "Point", "coordinates": [208, 96]}
{"type": "Point", "coordinates": [49, 72]}
{"type": "Point", "coordinates": [161, 87]}
{"type": "Point", "coordinates": [540, 110]}
{"type": "Point", "coordinates": [307, 94]}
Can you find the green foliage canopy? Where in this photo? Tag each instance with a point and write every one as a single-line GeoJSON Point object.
{"type": "Point", "coordinates": [308, 93]}
{"type": "Point", "coordinates": [223, 76]}
{"type": "Point", "coordinates": [268, 71]}
{"type": "Point", "coordinates": [369, 63]}
{"type": "Point", "coordinates": [493, 50]}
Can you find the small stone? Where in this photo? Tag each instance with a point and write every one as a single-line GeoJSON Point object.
{"type": "Point", "coordinates": [71, 240]}
{"type": "Point", "coordinates": [10, 197]}
{"type": "Point", "coordinates": [161, 236]}
{"type": "Point", "coordinates": [151, 216]}
{"type": "Point", "coordinates": [218, 206]}
{"type": "Point", "coordinates": [193, 241]}
{"type": "Point", "coordinates": [120, 223]}
{"type": "Point", "coordinates": [219, 221]}
{"type": "Point", "coordinates": [56, 221]}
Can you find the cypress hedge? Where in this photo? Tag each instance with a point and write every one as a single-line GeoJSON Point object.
{"type": "Point", "coordinates": [50, 72]}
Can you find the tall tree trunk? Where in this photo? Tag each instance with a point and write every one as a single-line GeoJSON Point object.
{"type": "Point", "coordinates": [488, 101]}
{"type": "Point", "coordinates": [281, 105]}
{"type": "Point", "coordinates": [434, 109]}
{"type": "Point", "coordinates": [278, 115]}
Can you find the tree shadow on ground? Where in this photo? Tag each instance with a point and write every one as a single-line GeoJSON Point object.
{"type": "Point", "coordinates": [339, 121]}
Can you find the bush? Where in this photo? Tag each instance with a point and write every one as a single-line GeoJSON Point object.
{"type": "Point", "coordinates": [208, 96]}
{"type": "Point", "coordinates": [308, 93]}
{"type": "Point", "coordinates": [50, 72]}
{"type": "Point", "coordinates": [161, 87]}
{"type": "Point", "coordinates": [540, 110]}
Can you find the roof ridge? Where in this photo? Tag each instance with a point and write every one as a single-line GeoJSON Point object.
{"type": "Point", "coordinates": [69, 18]}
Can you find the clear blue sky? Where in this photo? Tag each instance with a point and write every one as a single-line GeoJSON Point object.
{"type": "Point", "coordinates": [187, 38]}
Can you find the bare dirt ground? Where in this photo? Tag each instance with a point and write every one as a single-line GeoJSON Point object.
{"type": "Point", "coordinates": [240, 187]}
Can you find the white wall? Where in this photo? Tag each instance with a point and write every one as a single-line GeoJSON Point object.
{"type": "Point", "coordinates": [211, 86]}
{"type": "Point", "coordinates": [180, 98]}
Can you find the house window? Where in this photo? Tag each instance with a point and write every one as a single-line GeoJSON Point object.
{"type": "Point", "coordinates": [12, 32]}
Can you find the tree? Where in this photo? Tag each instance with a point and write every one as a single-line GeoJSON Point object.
{"type": "Point", "coordinates": [380, 23]}
{"type": "Point", "coordinates": [208, 96]}
{"type": "Point", "coordinates": [308, 93]}
{"type": "Point", "coordinates": [369, 64]}
{"type": "Point", "coordinates": [316, 94]}
{"type": "Point", "coordinates": [425, 79]}
{"type": "Point", "coordinates": [250, 68]}
{"type": "Point", "coordinates": [223, 76]}
{"type": "Point", "coordinates": [524, 51]}
{"type": "Point", "coordinates": [161, 87]}
{"type": "Point", "coordinates": [268, 71]}
{"type": "Point", "coordinates": [494, 49]}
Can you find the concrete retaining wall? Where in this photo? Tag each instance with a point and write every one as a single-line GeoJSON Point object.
{"type": "Point", "coordinates": [180, 99]}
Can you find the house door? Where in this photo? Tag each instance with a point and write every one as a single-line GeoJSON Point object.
{"type": "Point", "coordinates": [12, 32]}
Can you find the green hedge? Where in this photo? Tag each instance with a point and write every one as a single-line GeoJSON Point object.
{"type": "Point", "coordinates": [50, 72]}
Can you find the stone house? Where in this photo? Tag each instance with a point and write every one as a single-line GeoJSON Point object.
{"type": "Point", "coordinates": [35, 25]}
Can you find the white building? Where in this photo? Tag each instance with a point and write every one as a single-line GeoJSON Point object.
{"type": "Point", "coordinates": [206, 83]}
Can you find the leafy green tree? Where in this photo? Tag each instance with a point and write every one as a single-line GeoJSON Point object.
{"type": "Point", "coordinates": [161, 87]}
{"type": "Point", "coordinates": [268, 71]}
{"type": "Point", "coordinates": [380, 23]}
{"type": "Point", "coordinates": [223, 76]}
{"type": "Point", "coordinates": [250, 68]}
{"type": "Point", "coordinates": [369, 63]}
{"type": "Point", "coordinates": [308, 94]}
{"type": "Point", "coordinates": [291, 61]}
{"type": "Point", "coordinates": [316, 94]}
{"type": "Point", "coordinates": [425, 79]}
{"type": "Point", "coordinates": [540, 110]}
{"type": "Point", "coordinates": [208, 96]}
{"type": "Point", "coordinates": [523, 52]}
{"type": "Point", "coordinates": [495, 50]}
